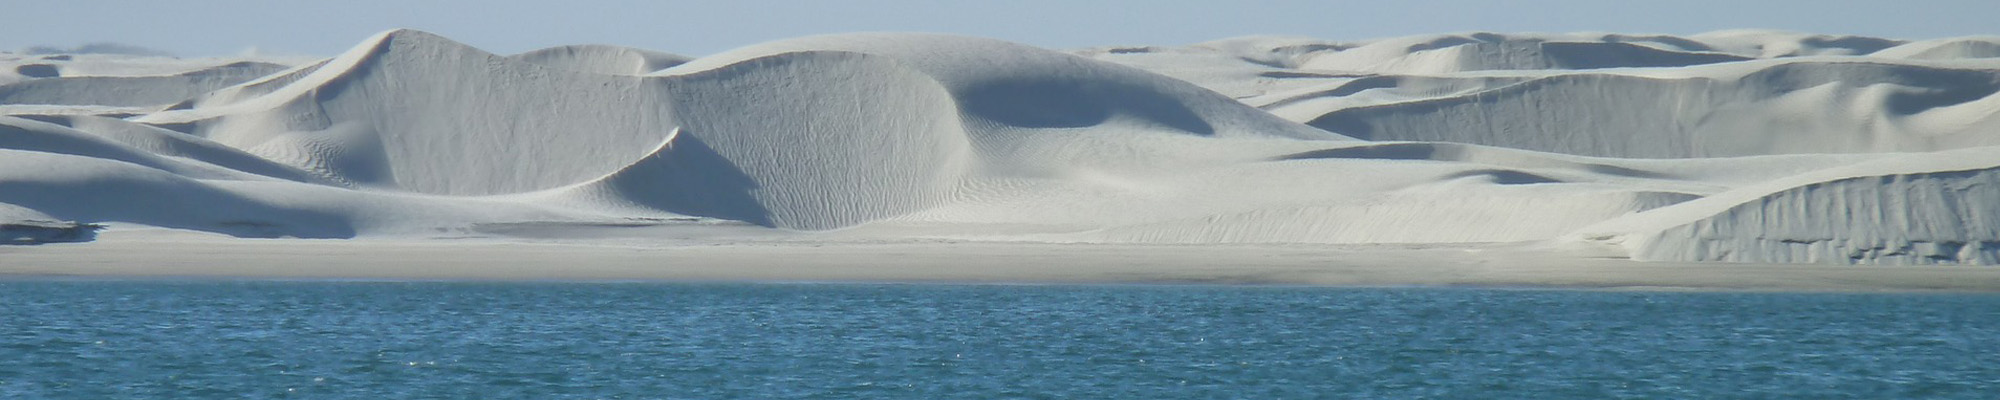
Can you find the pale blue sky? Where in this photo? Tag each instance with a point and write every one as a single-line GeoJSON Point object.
{"type": "Point", "coordinates": [218, 27]}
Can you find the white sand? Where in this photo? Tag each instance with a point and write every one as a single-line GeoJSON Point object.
{"type": "Point", "coordinates": [1473, 158]}
{"type": "Point", "coordinates": [153, 255]}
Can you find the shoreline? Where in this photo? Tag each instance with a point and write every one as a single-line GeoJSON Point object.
{"type": "Point", "coordinates": [197, 279]}
{"type": "Point", "coordinates": [150, 256]}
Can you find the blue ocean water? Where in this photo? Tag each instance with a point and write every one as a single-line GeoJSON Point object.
{"type": "Point", "coordinates": [367, 340]}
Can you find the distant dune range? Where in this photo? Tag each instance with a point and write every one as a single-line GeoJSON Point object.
{"type": "Point", "coordinates": [1738, 146]}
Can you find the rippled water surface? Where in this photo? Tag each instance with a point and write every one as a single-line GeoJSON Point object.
{"type": "Point", "coordinates": [72, 339]}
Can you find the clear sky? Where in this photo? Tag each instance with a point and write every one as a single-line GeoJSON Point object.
{"type": "Point", "coordinates": [325, 27]}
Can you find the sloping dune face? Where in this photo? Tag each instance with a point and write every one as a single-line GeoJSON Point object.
{"type": "Point", "coordinates": [814, 133]}
{"type": "Point", "coordinates": [996, 84]}
{"type": "Point", "coordinates": [1920, 209]}
{"type": "Point", "coordinates": [602, 59]}
{"type": "Point", "coordinates": [1722, 94]}
{"type": "Point", "coordinates": [1928, 218]}
{"type": "Point", "coordinates": [1488, 51]}
{"type": "Point", "coordinates": [1742, 146]}
{"type": "Point", "coordinates": [131, 90]}
{"type": "Point", "coordinates": [1781, 108]}
{"type": "Point", "coordinates": [864, 139]}
{"type": "Point", "coordinates": [412, 111]}
{"type": "Point", "coordinates": [1946, 49]}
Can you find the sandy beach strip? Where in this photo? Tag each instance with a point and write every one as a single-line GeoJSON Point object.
{"type": "Point", "coordinates": [954, 262]}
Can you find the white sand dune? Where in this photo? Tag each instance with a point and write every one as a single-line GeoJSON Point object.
{"type": "Point", "coordinates": [1777, 107]}
{"type": "Point", "coordinates": [1929, 208]}
{"type": "Point", "coordinates": [1738, 146]}
{"type": "Point", "coordinates": [1815, 98]}
{"type": "Point", "coordinates": [1946, 49]}
{"type": "Point", "coordinates": [602, 59]}
{"type": "Point", "coordinates": [150, 90]}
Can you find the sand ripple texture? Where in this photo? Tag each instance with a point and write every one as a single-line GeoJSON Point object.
{"type": "Point", "coordinates": [1741, 146]}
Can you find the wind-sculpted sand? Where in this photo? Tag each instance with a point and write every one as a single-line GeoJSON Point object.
{"type": "Point", "coordinates": [1573, 159]}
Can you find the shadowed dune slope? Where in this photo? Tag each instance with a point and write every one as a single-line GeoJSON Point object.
{"type": "Point", "coordinates": [132, 90]}
{"type": "Point", "coordinates": [1936, 208]}
{"type": "Point", "coordinates": [821, 132]}
{"type": "Point", "coordinates": [602, 59]}
{"type": "Point", "coordinates": [1726, 93]}
{"type": "Point", "coordinates": [1784, 108]}
{"type": "Point", "coordinates": [1727, 146]}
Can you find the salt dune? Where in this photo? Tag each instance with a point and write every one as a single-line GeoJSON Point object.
{"type": "Point", "coordinates": [1602, 160]}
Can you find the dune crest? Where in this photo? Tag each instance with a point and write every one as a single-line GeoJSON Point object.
{"type": "Point", "coordinates": [1744, 146]}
